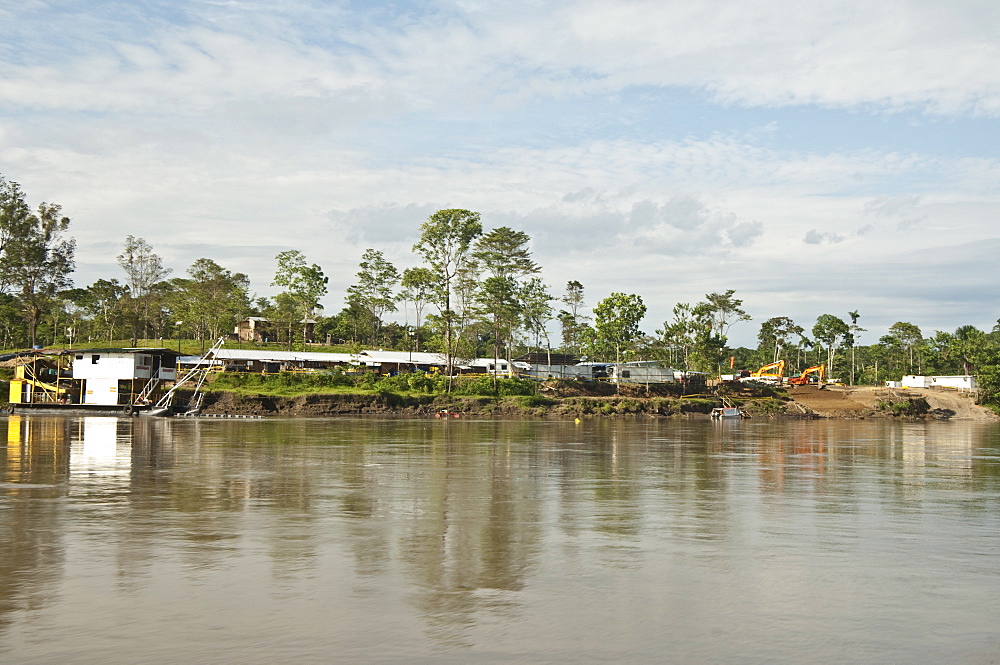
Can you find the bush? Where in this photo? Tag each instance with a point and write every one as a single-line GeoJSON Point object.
{"type": "Point", "coordinates": [906, 407]}
{"type": "Point", "coordinates": [483, 386]}
{"type": "Point", "coordinates": [697, 405]}
{"type": "Point", "coordinates": [531, 401]}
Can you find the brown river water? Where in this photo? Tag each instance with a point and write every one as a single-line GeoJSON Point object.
{"type": "Point", "coordinates": [432, 541]}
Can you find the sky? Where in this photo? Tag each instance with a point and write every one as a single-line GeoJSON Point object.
{"type": "Point", "coordinates": [817, 158]}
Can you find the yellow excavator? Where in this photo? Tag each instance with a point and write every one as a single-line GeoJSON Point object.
{"type": "Point", "coordinates": [772, 373]}
{"type": "Point", "coordinates": [802, 380]}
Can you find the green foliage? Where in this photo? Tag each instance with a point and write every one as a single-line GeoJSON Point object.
{"type": "Point", "coordinates": [445, 240]}
{"type": "Point", "coordinates": [212, 302]}
{"type": "Point", "coordinates": [616, 321]}
{"type": "Point", "coordinates": [904, 407]}
{"type": "Point", "coordinates": [533, 401]}
{"type": "Point", "coordinates": [304, 285]}
{"type": "Point", "coordinates": [697, 405]}
{"type": "Point", "coordinates": [36, 258]}
{"type": "Point", "coordinates": [285, 383]}
{"type": "Point", "coordinates": [484, 386]}
{"type": "Point", "coordinates": [374, 290]}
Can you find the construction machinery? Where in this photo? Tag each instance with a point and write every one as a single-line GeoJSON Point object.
{"type": "Point", "coordinates": [805, 377]}
{"type": "Point", "coordinates": [772, 373]}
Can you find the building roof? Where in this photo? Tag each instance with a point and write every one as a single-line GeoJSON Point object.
{"type": "Point", "coordinates": [135, 349]}
{"type": "Point", "coordinates": [285, 356]}
{"type": "Point", "coordinates": [407, 357]}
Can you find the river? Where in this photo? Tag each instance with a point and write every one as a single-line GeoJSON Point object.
{"type": "Point", "coordinates": [164, 541]}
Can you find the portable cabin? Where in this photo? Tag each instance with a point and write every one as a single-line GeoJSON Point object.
{"type": "Point", "coordinates": [964, 382]}
{"type": "Point", "coordinates": [640, 373]}
{"type": "Point", "coordinates": [542, 372]}
{"type": "Point", "coordinates": [913, 381]}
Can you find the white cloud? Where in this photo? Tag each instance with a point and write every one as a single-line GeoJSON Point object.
{"type": "Point", "coordinates": [236, 129]}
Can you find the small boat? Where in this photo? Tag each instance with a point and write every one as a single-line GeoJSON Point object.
{"type": "Point", "coordinates": [728, 412]}
{"type": "Point", "coordinates": [445, 413]}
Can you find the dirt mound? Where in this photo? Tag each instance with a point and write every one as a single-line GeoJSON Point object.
{"type": "Point", "coordinates": [864, 401]}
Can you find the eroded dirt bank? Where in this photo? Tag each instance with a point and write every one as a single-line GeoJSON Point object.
{"type": "Point", "coordinates": [868, 402]}
{"type": "Point", "coordinates": [804, 402]}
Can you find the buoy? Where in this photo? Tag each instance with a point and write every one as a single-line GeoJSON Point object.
{"type": "Point", "coordinates": [577, 421]}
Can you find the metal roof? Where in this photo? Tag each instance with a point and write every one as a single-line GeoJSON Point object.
{"type": "Point", "coordinates": [416, 357]}
{"type": "Point", "coordinates": [285, 356]}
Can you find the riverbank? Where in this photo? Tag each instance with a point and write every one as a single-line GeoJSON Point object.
{"type": "Point", "coordinates": [798, 402]}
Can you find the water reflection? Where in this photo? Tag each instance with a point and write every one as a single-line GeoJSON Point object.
{"type": "Point", "coordinates": [467, 526]}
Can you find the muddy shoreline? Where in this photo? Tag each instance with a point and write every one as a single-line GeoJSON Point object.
{"type": "Point", "coordinates": [798, 403]}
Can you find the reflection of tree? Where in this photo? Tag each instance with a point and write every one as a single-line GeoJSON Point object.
{"type": "Point", "coordinates": [34, 468]}
{"type": "Point", "coordinates": [474, 535]}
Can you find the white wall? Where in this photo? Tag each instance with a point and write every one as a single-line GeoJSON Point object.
{"type": "Point", "coordinates": [101, 391]}
{"type": "Point", "coordinates": [107, 366]}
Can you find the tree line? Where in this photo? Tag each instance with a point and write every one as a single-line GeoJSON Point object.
{"type": "Point", "coordinates": [474, 292]}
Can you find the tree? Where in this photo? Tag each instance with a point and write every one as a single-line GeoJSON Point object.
{"type": "Point", "coordinates": [776, 334]}
{"type": "Point", "coordinates": [971, 347]}
{"type": "Point", "coordinates": [570, 319]}
{"type": "Point", "coordinates": [445, 240]}
{"type": "Point", "coordinates": [723, 311]}
{"type": "Point", "coordinates": [714, 317]}
{"type": "Point", "coordinates": [102, 304]}
{"type": "Point", "coordinates": [16, 223]}
{"type": "Point", "coordinates": [855, 329]}
{"type": "Point", "coordinates": [304, 285]}
{"type": "Point", "coordinates": [503, 254]}
{"type": "Point", "coordinates": [832, 332]}
{"type": "Point", "coordinates": [616, 319]}
{"type": "Point", "coordinates": [38, 262]}
{"type": "Point", "coordinates": [536, 310]}
{"type": "Point", "coordinates": [144, 269]}
{"type": "Point", "coordinates": [213, 300]}
{"type": "Point", "coordinates": [419, 285]}
{"type": "Point", "coordinates": [373, 291]}
{"type": "Point", "coordinates": [907, 336]}
{"type": "Point", "coordinates": [680, 334]}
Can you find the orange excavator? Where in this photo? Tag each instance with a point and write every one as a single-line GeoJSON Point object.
{"type": "Point", "coordinates": [802, 380]}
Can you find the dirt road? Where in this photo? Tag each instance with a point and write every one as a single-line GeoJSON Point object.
{"type": "Point", "coordinates": [860, 401]}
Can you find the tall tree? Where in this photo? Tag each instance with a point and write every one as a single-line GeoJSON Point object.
{"type": "Point", "coordinates": [570, 318]}
{"type": "Point", "coordinates": [17, 222]}
{"type": "Point", "coordinates": [907, 336]}
{"type": "Point", "coordinates": [722, 310]}
{"type": "Point", "coordinates": [855, 329]}
{"type": "Point", "coordinates": [616, 320]}
{"type": "Point", "coordinates": [102, 305]}
{"type": "Point", "coordinates": [537, 310]}
{"type": "Point", "coordinates": [304, 285]}
{"type": "Point", "coordinates": [419, 285]}
{"type": "Point", "coordinates": [503, 253]}
{"type": "Point", "coordinates": [374, 289]}
{"type": "Point", "coordinates": [832, 332]}
{"type": "Point", "coordinates": [445, 241]}
{"type": "Point", "coordinates": [38, 263]}
{"type": "Point", "coordinates": [144, 269]}
{"type": "Point", "coordinates": [213, 300]}
{"type": "Point", "coordinates": [776, 335]}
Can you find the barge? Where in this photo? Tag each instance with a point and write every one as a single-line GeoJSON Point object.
{"type": "Point", "coordinates": [125, 381]}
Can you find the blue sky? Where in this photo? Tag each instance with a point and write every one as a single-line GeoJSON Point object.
{"type": "Point", "coordinates": [816, 157]}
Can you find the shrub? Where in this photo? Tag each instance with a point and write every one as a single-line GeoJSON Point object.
{"type": "Point", "coordinates": [483, 386]}
{"type": "Point", "coordinates": [905, 407]}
